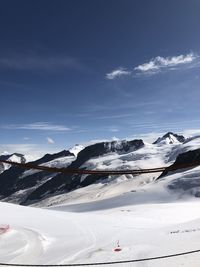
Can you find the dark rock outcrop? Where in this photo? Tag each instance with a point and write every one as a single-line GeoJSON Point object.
{"type": "Point", "coordinates": [188, 157]}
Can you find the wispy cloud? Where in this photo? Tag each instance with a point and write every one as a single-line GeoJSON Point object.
{"type": "Point", "coordinates": [156, 65]}
{"type": "Point", "coordinates": [31, 151]}
{"type": "Point", "coordinates": [146, 137]}
{"type": "Point", "coordinates": [118, 73]}
{"type": "Point", "coordinates": [160, 63]}
{"type": "Point", "coordinates": [122, 106]}
{"type": "Point", "coordinates": [26, 138]}
{"type": "Point", "coordinates": [116, 116]}
{"type": "Point", "coordinates": [165, 126]}
{"type": "Point", "coordinates": [50, 140]}
{"type": "Point", "coordinates": [191, 132]}
{"type": "Point", "coordinates": [35, 62]}
{"type": "Point", "coordinates": [114, 130]}
{"type": "Point", "coordinates": [43, 126]}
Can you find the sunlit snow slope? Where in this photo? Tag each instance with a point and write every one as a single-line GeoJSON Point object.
{"type": "Point", "coordinates": [88, 234]}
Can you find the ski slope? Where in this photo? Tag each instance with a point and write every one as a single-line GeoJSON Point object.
{"type": "Point", "coordinates": [89, 232]}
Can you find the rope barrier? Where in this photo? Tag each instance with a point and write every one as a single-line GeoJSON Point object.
{"type": "Point", "coordinates": [104, 263]}
{"type": "Point", "coordinates": [100, 172]}
{"type": "Point", "coordinates": [80, 171]}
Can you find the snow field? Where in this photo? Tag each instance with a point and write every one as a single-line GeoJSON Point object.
{"type": "Point", "coordinates": [58, 236]}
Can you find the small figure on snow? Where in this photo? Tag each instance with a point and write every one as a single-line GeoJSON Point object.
{"type": "Point", "coordinates": [118, 248]}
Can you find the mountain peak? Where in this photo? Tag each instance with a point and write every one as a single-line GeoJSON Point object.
{"type": "Point", "coordinates": [76, 149]}
{"type": "Point", "coordinates": [15, 157]}
{"type": "Point", "coordinates": [170, 138]}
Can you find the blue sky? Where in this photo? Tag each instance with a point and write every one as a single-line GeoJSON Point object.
{"type": "Point", "coordinates": [73, 71]}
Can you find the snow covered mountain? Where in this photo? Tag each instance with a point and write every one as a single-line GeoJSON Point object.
{"type": "Point", "coordinates": [76, 149]}
{"type": "Point", "coordinates": [170, 138]}
{"type": "Point", "coordinates": [20, 185]}
{"type": "Point", "coordinates": [15, 157]}
{"type": "Point", "coordinates": [35, 187]}
{"type": "Point", "coordinates": [17, 182]}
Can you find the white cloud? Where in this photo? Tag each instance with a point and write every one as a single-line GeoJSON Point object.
{"type": "Point", "coordinates": [191, 132]}
{"type": "Point", "coordinates": [31, 151]}
{"type": "Point", "coordinates": [158, 63]}
{"type": "Point", "coordinates": [43, 126]}
{"type": "Point", "coordinates": [146, 137]}
{"type": "Point", "coordinates": [117, 73]}
{"type": "Point", "coordinates": [114, 138]}
{"type": "Point", "coordinates": [50, 140]}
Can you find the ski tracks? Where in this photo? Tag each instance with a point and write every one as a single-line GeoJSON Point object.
{"type": "Point", "coordinates": [22, 245]}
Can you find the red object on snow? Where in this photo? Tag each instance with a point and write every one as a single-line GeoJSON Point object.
{"type": "Point", "coordinates": [4, 228]}
{"type": "Point", "coordinates": [117, 249]}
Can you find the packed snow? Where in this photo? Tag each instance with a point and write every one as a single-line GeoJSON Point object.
{"type": "Point", "coordinates": [88, 233]}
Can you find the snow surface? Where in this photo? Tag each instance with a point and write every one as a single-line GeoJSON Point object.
{"type": "Point", "coordinates": [86, 235]}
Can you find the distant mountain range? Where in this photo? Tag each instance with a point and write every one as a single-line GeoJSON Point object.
{"type": "Point", "coordinates": [19, 185]}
